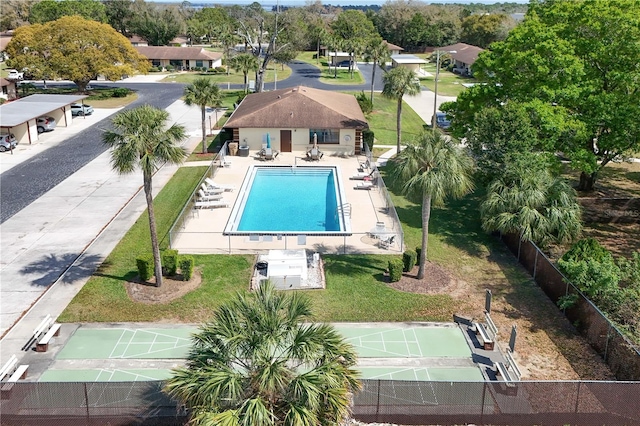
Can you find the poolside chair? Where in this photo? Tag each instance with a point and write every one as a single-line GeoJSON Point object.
{"type": "Point", "coordinates": [387, 242]}
{"type": "Point", "coordinates": [367, 184]}
{"type": "Point", "coordinates": [210, 191]}
{"type": "Point", "coordinates": [364, 165]}
{"type": "Point", "coordinates": [211, 204]}
{"type": "Point", "coordinates": [202, 196]}
{"type": "Point", "coordinates": [315, 154]}
{"type": "Point", "coordinates": [362, 175]}
{"type": "Point", "coordinates": [270, 154]}
{"type": "Point", "coordinates": [213, 185]}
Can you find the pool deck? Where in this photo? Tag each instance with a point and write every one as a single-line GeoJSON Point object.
{"type": "Point", "coordinates": [203, 231]}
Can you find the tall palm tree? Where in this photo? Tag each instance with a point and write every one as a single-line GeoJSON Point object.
{"type": "Point", "coordinates": [245, 63]}
{"type": "Point", "coordinates": [398, 82]}
{"type": "Point", "coordinates": [530, 201]}
{"type": "Point", "coordinates": [376, 51]}
{"type": "Point", "coordinates": [261, 362]}
{"type": "Point", "coordinates": [430, 170]}
{"type": "Point", "coordinates": [202, 92]}
{"type": "Point", "coordinates": [140, 138]}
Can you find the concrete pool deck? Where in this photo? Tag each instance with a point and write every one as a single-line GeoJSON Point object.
{"type": "Point", "coordinates": [203, 231]}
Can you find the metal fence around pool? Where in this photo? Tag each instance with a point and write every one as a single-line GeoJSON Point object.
{"type": "Point", "coordinates": [401, 402]}
{"type": "Point", "coordinates": [622, 356]}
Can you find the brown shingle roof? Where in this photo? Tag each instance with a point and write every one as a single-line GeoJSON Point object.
{"type": "Point", "coordinates": [464, 52]}
{"type": "Point", "coordinates": [392, 46]}
{"type": "Point", "coordinates": [298, 107]}
{"type": "Point", "coordinates": [170, 52]}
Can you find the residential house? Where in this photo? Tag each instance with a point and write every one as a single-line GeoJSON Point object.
{"type": "Point", "coordinates": [182, 58]}
{"type": "Point", "coordinates": [393, 49]}
{"type": "Point", "coordinates": [464, 55]}
{"type": "Point", "coordinates": [138, 41]}
{"type": "Point", "coordinates": [291, 117]}
{"type": "Point", "coordinates": [9, 91]}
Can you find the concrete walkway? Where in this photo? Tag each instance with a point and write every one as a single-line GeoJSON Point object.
{"type": "Point", "coordinates": [80, 221]}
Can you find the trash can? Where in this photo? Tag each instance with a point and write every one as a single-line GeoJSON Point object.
{"type": "Point", "coordinates": [243, 151]}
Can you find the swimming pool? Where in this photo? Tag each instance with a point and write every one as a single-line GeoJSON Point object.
{"type": "Point", "coordinates": [285, 200]}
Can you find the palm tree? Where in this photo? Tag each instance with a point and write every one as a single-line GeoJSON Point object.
{"type": "Point", "coordinates": [528, 200]}
{"type": "Point", "coordinates": [261, 362]}
{"type": "Point", "coordinates": [202, 92]}
{"type": "Point", "coordinates": [377, 52]}
{"type": "Point", "coordinates": [398, 82]}
{"type": "Point", "coordinates": [431, 169]}
{"type": "Point", "coordinates": [245, 63]}
{"type": "Point", "coordinates": [140, 138]}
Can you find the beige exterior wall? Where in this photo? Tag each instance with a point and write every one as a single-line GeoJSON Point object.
{"type": "Point", "coordinates": [412, 67]}
{"type": "Point", "coordinates": [300, 142]}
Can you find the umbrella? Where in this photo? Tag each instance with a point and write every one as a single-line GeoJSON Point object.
{"type": "Point", "coordinates": [268, 141]}
{"type": "Point", "coordinates": [315, 140]}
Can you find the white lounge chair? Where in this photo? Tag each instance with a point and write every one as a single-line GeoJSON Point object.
{"type": "Point", "coordinates": [362, 175]}
{"type": "Point", "coordinates": [367, 184]}
{"type": "Point", "coordinates": [202, 196]}
{"type": "Point", "coordinates": [211, 204]}
{"type": "Point", "coordinates": [210, 191]}
{"type": "Point", "coordinates": [213, 185]}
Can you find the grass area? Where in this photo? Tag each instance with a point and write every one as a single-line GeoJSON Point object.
{"type": "Point", "coordinates": [113, 102]}
{"type": "Point", "coordinates": [383, 121]}
{"type": "Point", "coordinates": [449, 84]}
{"type": "Point", "coordinates": [328, 75]}
{"type": "Point", "coordinates": [3, 69]}
{"type": "Point", "coordinates": [98, 97]}
{"type": "Point", "coordinates": [283, 72]}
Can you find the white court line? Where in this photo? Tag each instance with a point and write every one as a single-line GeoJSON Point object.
{"type": "Point", "coordinates": [154, 341]}
{"type": "Point", "coordinates": [188, 339]}
{"type": "Point", "coordinates": [124, 330]}
{"type": "Point", "coordinates": [127, 348]}
{"type": "Point", "coordinates": [433, 391]}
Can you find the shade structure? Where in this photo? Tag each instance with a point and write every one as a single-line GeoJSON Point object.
{"type": "Point", "coordinates": [268, 140]}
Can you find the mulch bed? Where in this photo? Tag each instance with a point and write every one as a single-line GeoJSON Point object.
{"type": "Point", "coordinates": [172, 288]}
{"type": "Point", "coordinates": [436, 280]}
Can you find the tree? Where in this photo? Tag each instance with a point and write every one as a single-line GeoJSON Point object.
{"type": "Point", "coordinates": [528, 200]}
{"type": "Point", "coordinates": [202, 92]}
{"type": "Point", "coordinates": [14, 13]}
{"type": "Point", "coordinates": [75, 49]}
{"type": "Point", "coordinates": [260, 361]}
{"type": "Point", "coordinates": [354, 29]}
{"type": "Point", "coordinates": [158, 25]}
{"type": "Point", "coordinates": [578, 58]}
{"type": "Point", "coordinates": [51, 10]}
{"type": "Point", "coordinates": [398, 82]}
{"type": "Point", "coordinates": [119, 15]}
{"type": "Point", "coordinates": [140, 139]}
{"type": "Point", "coordinates": [377, 52]}
{"type": "Point", "coordinates": [483, 29]}
{"type": "Point", "coordinates": [245, 63]}
{"type": "Point", "coordinates": [430, 170]}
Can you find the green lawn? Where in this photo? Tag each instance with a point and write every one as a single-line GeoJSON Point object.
{"type": "Point", "coordinates": [449, 84]}
{"type": "Point", "coordinates": [383, 121]}
{"type": "Point", "coordinates": [328, 75]}
{"type": "Point", "coordinates": [283, 72]}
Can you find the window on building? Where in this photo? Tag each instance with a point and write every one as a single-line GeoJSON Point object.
{"type": "Point", "coordinates": [325, 136]}
{"type": "Point", "coordinates": [199, 64]}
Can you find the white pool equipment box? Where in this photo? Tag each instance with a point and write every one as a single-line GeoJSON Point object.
{"type": "Point", "coordinates": [287, 268]}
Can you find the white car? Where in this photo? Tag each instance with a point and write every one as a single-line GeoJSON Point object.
{"type": "Point", "coordinates": [81, 109]}
{"type": "Point", "coordinates": [15, 75]}
{"type": "Point", "coordinates": [7, 142]}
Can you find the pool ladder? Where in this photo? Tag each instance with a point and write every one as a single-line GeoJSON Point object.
{"type": "Point", "coordinates": [344, 209]}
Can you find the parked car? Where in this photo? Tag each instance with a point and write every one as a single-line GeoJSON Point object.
{"type": "Point", "coordinates": [344, 64]}
{"type": "Point", "coordinates": [45, 124]}
{"type": "Point", "coordinates": [7, 142]}
{"type": "Point", "coordinates": [15, 75]}
{"type": "Point", "coordinates": [81, 109]}
{"type": "Point", "coordinates": [442, 121]}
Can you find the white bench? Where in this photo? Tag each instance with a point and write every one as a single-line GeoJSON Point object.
{"type": "Point", "coordinates": [19, 374]}
{"type": "Point", "coordinates": [8, 367]}
{"type": "Point", "coordinates": [43, 343]}
{"type": "Point", "coordinates": [485, 338]}
{"type": "Point", "coordinates": [503, 371]}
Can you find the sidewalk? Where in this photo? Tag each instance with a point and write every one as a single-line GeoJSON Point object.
{"type": "Point", "coordinates": [422, 103]}
{"type": "Point", "coordinates": [50, 248]}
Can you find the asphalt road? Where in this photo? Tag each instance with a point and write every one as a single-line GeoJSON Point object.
{"type": "Point", "coordinates": [26, 182]}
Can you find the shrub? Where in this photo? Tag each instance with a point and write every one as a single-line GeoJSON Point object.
{"type": "Point", "coordinates": [418, 251]}
{"type": "Point", "coordinates": [211, 70]}
{"type": "Point", "coordinates": [154, 69]}
{"type": "Point", "coordinates": [170, 68]}
{"type": "Point", "coordinates": [186, 267]}
{"type": "Point", "coordinates": [365, 103]}
{"type": "Point", "coordinates": [367, 137]}
{"type": "Point", "coordinates": [395, 269]}
{"type": "Point", "coordinates": [221, 69]}
{"type": "Point", "coordinates": [170, 262]}
{"type": "Point", "coordinates": [145, 266]}
{"type": "Point", "coordinates": [241, 96]}
{"type": "Point", "coordinates": [590, 267]}
{"type": "Point", "coordinates": [120, 92]}
{"type": "Point", "coordinates": [408, 260]}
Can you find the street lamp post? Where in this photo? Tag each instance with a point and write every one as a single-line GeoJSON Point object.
{"type": "Point", "coordinates": [434, 119]}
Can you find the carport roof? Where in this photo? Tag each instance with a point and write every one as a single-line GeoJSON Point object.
{"type": "Point", "coordinates": [17, 112]}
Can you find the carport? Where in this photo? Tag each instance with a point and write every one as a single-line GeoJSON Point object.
{"type": "Point", "coordinates": [19, 117]}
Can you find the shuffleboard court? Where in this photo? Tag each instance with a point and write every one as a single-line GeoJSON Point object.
{"type": "Point", "coordinates": [104, 375]}
{"type": "Point", "coordinates": [462, 374]}
{"type": "Point", "coordinates": [407, 341]}
{"type": "Point", "coordinates": [118, 343]}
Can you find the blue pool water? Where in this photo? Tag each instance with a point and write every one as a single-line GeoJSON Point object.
{"type": "Point", "coordinates": [282, 199]}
